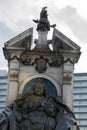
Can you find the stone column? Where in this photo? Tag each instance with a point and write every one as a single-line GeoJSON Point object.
{"type": "Point", "coordinates": [68, 68]}
{"type": "Point", "coordinates": [42, 39]}
{"type": "Point", "coordinates": [13, 82]}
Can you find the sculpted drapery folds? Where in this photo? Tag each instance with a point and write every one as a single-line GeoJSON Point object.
{"type": "Point", "coordinates": [37, 110]}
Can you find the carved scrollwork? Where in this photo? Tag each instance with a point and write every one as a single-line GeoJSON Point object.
{"type": "Point", "coordinates": [55, 63]}
{"type": "Point", "coordinates": [26, 61]}
{"type": "Point", "coordinates": [41, 60]}
{"type": "Point", "coordinates": [69, 60]}
{"type": "Point", "coordinates": [14, 57]}
{"type": "Point", "coordinates": [41, 64]}
{"type": "Point", "coordinates": [67, 78]}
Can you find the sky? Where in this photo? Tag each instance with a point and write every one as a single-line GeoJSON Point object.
{"type": "Point", "coordinates": [70, 16]}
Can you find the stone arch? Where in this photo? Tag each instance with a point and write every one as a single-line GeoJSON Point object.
{"type": "Point", "coordinates": [55, 83]}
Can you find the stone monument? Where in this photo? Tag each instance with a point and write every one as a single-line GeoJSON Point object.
{"type": "Point", "coordinates": [40, 80]}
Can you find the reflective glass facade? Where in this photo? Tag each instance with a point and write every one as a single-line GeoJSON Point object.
{"type": "Point", "coordinates": [3, 89]}
{"type": "Point", "coordinates": [80, 99]}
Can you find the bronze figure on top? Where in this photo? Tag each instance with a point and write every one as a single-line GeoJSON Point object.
{"type": "Point", "coordinates": [43, 24]}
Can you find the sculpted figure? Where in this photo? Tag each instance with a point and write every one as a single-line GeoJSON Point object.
{"type": "Point", "coordinates": [37, 110]}
{"type": "Point", "coordinates": [43, 23]}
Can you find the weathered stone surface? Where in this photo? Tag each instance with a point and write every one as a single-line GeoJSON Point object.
{"type": "Point", "coordinates": [57, 65]}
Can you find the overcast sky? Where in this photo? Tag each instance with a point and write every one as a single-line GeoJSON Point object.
{"type": "Point", "coordinates": [70, 16]}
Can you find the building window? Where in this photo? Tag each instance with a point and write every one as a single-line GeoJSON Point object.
{"type": "Point", "coordinates": [80, 78]}
{"type": "Point", "coordinates": [80, 83]}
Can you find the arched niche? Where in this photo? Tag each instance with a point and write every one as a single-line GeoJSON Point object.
{"type": "Point", "coordinates": [49, 82]}
{"type": "Point", "coordinates": [49, 86]}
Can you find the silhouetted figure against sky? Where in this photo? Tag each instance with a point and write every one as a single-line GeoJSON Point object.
{"type": "Point", "coordinates": [43, 23]}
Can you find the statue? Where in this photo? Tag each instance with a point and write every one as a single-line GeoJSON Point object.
{"type": "Point", "coordinates": [37, 110]}
{"type": "Point", "coordinates": [43, 23]}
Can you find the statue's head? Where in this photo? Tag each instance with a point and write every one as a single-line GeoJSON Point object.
{"type": "Point", "coordinates": [39, 87]}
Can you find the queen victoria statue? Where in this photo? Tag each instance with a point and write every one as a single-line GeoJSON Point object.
{"type": "Point", "coordinates": [37, 110]}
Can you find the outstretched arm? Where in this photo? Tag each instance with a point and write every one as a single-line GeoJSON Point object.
{"type": "Point", "coordinates": [36, 21]}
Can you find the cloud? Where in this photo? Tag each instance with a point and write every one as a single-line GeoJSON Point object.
{"type": "Point", "coordinates": [75, 22]}
{"type": "Point", "coordinates": [16, 16]}
{"type": "Point", "coordinates": [5, 32]}
{"type": "Point", "coordinates": [3, 64]}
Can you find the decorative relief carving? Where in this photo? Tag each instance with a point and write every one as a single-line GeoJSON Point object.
{"type": "Point", "coordinates": [67, 78]}
{"type": "Point", "coordinates": [15, 57]}
{"type": "Point", "coordinates": [53, 62]}
{"type": "Point", "coordinates": [26, 61]}
{"type": "Point", "coordinates": [68, 60]}
{"type": "Point", "coordinates": [41, 64]}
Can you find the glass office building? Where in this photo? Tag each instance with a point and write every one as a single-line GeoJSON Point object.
{"type": "Point", "coordinates": [3, 88]}
{"type": "Point", "coordinates": [80, 99]}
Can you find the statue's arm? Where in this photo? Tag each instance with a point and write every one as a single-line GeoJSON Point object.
{"type": "Point", "coordinates": [36, 21]}
{"type": "Point", "coordinates": [65, 121]}
{"type": "Point", "coordinates": [7, 120]}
